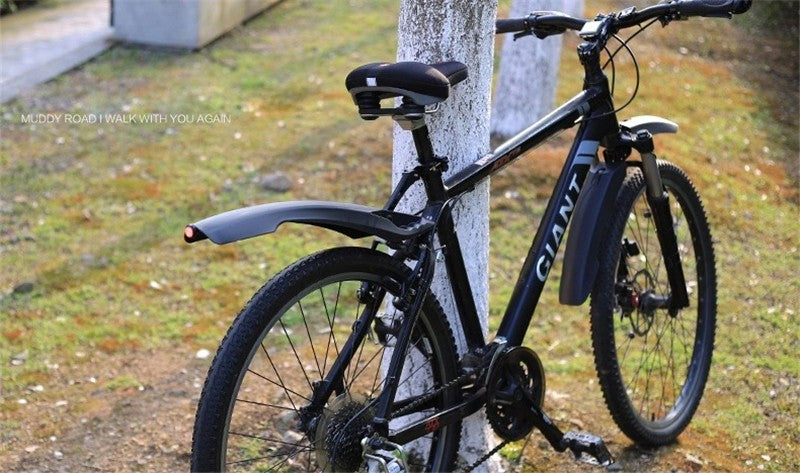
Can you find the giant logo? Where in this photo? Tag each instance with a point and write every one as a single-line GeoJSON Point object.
{"type": "Point", "coordinates": [545, 261]}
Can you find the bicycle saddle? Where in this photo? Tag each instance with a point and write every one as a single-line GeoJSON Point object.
{"type": "Point", "coordinates": [424, 84]}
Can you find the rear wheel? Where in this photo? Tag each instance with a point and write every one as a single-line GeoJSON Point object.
{"type": "Point", "coordinates": [288, 338]}
{"type": "Point", "coordinates": [652, 365]}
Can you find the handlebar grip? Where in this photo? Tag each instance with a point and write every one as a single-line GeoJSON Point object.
{"type": "Point", "coordinates": [510, 25]}
{"type": "Point", "coordinates": [713, 7]}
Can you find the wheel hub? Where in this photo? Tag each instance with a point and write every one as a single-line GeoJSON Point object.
{"type": "Point", "coordinates": [342, 425]}
{"type": "Point", "coordinates": [642, 313]}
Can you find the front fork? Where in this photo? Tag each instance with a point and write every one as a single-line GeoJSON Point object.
{"type": "Point", "coordinates": [658, 200]}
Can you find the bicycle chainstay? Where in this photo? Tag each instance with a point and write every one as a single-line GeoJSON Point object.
{"type": "Point", "coordinates": [461, 379]}
{"type": "Point", "coordinates": [464, 378]}
{"type": "Point", "coordinates": [475, 375]}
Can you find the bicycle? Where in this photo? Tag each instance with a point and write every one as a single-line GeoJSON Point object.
{"type": "Point", "coordinates": [360, 323]}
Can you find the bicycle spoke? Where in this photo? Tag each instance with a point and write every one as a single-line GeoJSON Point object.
{"type": "Point", "coordinates": [297, 357]}
{"type": "Point", "coordinates": [267, 439]}
{"type": "Point", "coordinates": [281, 463]}
{"type": "Point", "coordinates": [282, 384]}
{"type": "Point", "coordinates": [263, 404]}
{"type": "Point", "coordinates": [628, 343]}
{"type": "Point", "coordinates": [368, 362]}
{"type": "Point", "coordinates": [310, 340]}
{"type": "Point", "coordinates": [331, 321]}
{"type": "Point", "coordinates": [377, 372]}
{"type": "Point", "coordinates": [672, 359]}
{"type": "Point", "coordinates": [264, 457]}
{"type": "Point", "coordinates": [633, 382]}
{"type": "Point", "coordinates": [358, 360]}
{"type": "Point", "coordinates": [348, 371]}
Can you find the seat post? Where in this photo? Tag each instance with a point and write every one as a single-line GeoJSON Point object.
{"type": "Point", "coordinates": [431, 168]}
{"type": "Point", "coordinates": [422, 141]}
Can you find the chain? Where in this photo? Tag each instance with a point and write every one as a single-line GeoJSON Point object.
{"type": "Point", "coordinates": [486, 457]}
{"type": "Point", "coordinates": [457, 381]}
{"type": "Point", "coordinates": [410, 408]}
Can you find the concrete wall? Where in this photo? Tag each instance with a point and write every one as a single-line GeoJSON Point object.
{"type": "Point", "coordinates": [180, 23]}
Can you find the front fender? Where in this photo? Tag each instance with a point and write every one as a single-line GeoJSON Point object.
{"type": "Point", "coordinates": [588, 231]}
{"type": "Point", "coordinates": [355, 221]}
{"type": "Point", "coordinates": [651, 123]}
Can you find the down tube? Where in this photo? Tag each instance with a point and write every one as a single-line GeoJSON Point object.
{"type": "Point", "coordinates": [548, 237]}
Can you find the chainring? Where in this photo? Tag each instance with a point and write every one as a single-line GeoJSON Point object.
{"type": "Point", "coordinates": [343, 424]}
{"type": "Point", "coordinates": [516, 381]}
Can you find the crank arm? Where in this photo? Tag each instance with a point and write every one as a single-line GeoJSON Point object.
{"type": "Point", "coordinates": [577, 442]}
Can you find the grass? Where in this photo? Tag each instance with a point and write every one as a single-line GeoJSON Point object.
{"type": "Point", "coordinates": [92, 214]}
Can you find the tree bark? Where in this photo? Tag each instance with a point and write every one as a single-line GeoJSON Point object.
{"type": "Point", "coordinates": [459, 30]}
{"type": "Point", "coordinates": [528, 74]}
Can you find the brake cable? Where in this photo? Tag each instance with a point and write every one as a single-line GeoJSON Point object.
{"type": "Point", "coordinates": [623, 44]}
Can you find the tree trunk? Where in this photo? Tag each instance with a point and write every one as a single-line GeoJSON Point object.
{"type": "Point", "coordinates": [459, 30]}
{"type": "Point", "coordinates": [528, 74]}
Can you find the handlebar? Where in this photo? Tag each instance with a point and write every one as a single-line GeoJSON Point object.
{"type": "Point", "coordinates": [714, 7]}
{"type": "Point", "coordinates": [544, 24]}
{"type": "Point", "coordinates": [545, 21]}
{"type": "Point", "coordinates": [510, 25]}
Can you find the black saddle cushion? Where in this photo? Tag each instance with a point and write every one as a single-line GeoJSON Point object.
{"type": "Point", "coordinates": [426, 82]}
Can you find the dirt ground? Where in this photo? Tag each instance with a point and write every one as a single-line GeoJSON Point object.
{"type": "Point", "coordinates": [148, 427]}
{"type": "Point", "coordinates": [132, 428]}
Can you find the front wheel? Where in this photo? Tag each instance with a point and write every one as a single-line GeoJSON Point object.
{"type": "Point", "coordinates": [653, 365]}
{"type": "Point", "coordinates": [254, 411]}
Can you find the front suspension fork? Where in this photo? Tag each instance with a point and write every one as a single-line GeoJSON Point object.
{"type": "Point", "coordinates": [658, 200]}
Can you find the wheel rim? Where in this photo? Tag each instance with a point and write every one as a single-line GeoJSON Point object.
{"type": "Point", "coordinates": [656, 352]}
{"type": "Point", "coordinates": [296, 350]}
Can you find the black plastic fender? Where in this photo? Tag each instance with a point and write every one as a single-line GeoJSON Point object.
{"type": "Point", "coordinates": [588, 230]}
{"type": "Point", "coordinates": [355, 221]}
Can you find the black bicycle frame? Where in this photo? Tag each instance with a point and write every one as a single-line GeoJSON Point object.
{"type": "Point", "coordinates": [594, 104]}
{"type": "Point", "coordinates": [591, 102]}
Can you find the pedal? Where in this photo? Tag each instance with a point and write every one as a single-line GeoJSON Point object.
{"type": "Point", "coordinates": [581, 443]}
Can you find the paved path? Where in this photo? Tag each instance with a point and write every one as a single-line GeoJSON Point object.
{"type": "Point", "coordinates": [39, 43]}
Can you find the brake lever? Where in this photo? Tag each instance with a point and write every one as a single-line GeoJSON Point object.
{"type": "Point", "coordinates": [522, 34]}
{"type": "Point", "coordinates": [542, 33]}
{"type": "Point", "coordinates": [539, 33]}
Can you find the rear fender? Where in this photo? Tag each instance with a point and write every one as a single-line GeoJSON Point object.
{"type": "Point", "coordinates": [355, 221]}
{"type": "Point", "coordinates": [588, 230]}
